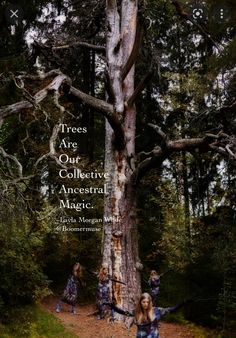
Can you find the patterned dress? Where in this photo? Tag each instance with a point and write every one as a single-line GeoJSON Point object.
{"type": "Point", "coordinates": [103, 296]}
{"type": "Point", "coordinates": [150, 329]}
{"type": "Point", "coordinates": [154, 284]}
{"type": "Point", "coordinates": [70, 292]}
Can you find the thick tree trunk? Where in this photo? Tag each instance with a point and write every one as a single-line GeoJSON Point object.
{"type": "Point", "coordinates": [120, 243]}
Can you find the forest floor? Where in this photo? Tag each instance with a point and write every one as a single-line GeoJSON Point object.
{"type": "Point", "coordinates": [85, 325]}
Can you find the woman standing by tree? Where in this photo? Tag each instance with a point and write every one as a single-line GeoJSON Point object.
{"type": "Point", "coordinates": [70, 292]}
{"type": "Point", "coordinates": [103, 291]}
{"type": "Point", "coordinates": [154, 283]}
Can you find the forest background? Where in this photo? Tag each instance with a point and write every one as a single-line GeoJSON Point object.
{"type": "Point", "coordinates": [185, 207]}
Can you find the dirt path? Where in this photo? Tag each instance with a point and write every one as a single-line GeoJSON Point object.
{"type": "Point", "coordinates": [89, 327]}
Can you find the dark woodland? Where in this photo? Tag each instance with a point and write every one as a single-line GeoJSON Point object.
{"type": "Point", "coordinates": [156, 91]}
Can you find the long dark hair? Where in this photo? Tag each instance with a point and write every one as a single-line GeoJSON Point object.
{"type": "Point", "coordinates": [77, 270]}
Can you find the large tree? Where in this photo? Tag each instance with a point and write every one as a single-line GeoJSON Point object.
{"type": "Point", "coordinates": [125, 26]}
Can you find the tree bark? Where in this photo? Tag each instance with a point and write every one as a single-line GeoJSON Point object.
{"type": "Point", "coordinates": [120, 244]}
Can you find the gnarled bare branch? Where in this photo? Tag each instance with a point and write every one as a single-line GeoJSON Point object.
{"type": "Point", "coordinates": [218, 143]}
{"type": "Point", "coordinates": [14, 159]}
{"type": "Point", "coordinates": [41, 75]}
{"type": "Point", "coordinates": [14, 108]}
{"type": "Point", "coordinates": [98, 49]}
{"type": "Point", "coordinates": [159, 132]}
{"type": "Point", "coordinates": [17, 107]}
{"type": "Point", "coordinates": [227, 147]}
{"type": "Point", "coordinates": [100, 105]}
{"type": "Point", "coordinates": [52, 152]}
{"type": "Point", "coordinates": [105, 108]}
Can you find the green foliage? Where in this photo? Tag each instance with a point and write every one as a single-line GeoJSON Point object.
{"type": "Point", "coordinates": [181, 225]}
{"type": "Point", "coordinates": [202, 332]}
{"type": "Point", "coordinates": [33, 322]}
{"type": "Point", "coordinates": [200, 251]}
{"type": "Point", "coordinates": [226, 307]}
{"type": "Point", "coordinates": [22, 280]}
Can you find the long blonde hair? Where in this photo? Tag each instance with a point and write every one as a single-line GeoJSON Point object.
{"type": "Point", "coordinates": [102, 276]}
{"type": "Point", "coordinates": [144, 315]}
{"type": "Point", "coordinates": [154, 274]}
